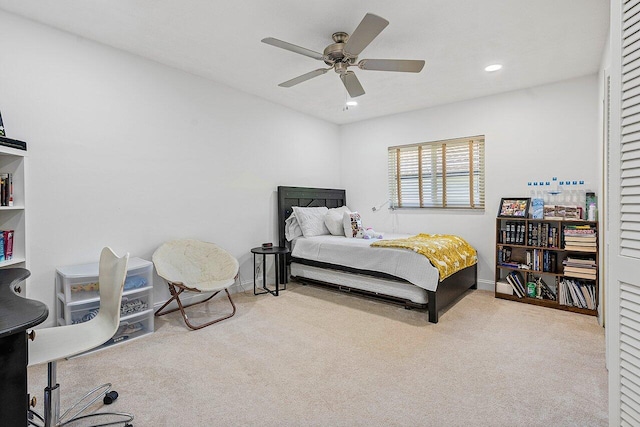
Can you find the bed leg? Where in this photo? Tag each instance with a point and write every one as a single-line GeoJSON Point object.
{"type": "Point", "coordinates": [432, 307]}
{"type": "Point", "coordinates": [474, 286]}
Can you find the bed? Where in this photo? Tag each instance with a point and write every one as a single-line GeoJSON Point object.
{"type": "Point", "coordinates": [329, 268]}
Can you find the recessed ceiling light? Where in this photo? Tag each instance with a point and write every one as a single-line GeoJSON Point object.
{"type": "Point", "coordinates": [494, 67]}
{"type": "Point", "coordinates": [352, 103]}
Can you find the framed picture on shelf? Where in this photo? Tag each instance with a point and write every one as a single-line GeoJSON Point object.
{"type": "Point", "coordinates": [514, 207]}
{"type": "Point", "coordinates": [1, 126]}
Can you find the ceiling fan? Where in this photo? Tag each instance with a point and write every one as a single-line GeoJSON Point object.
{"type": "Point", "coordinates": [343, 53]}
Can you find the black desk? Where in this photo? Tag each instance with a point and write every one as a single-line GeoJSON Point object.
{"type": "Point", "coordinates": [17, 314]}
{"type": "Point", "coordinates": [279, 253]}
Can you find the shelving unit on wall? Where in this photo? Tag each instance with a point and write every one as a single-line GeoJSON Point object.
{"type": "Point", "coordinates": [78, 299]}
{"type": "Point", "coordinates": [559, 257]}
{"type": "Point", "coordinates": [12, 161]}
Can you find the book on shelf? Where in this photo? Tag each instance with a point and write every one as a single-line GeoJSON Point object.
{"type": "Point", "coordinates": [576, 293]}
{"type": "Point", "coordinates": [504, 257]}
{"type": "Point", "coordinates": [549, 261]}
{"type": "Point", "coordinates": [6, 245]}
{"type": "Point", "coordinates": [6, 189]}
{"type": "Point", "coordinates": [579, 262]}
{"type": "Point", "coordinates": [532, 235]}
{"type": "Point", "coordinates": [570, 229]}
{"type": "Point", "coordinates": [573, 213]}
{"type": "Point", "coordinates": [514, 286]}
{"type": "Point", "coordinates": [587, 276]}
{"type": "Point", "coordinates": [580, 238]}
{"type": "Point", "coordinates": [580, 268]}
{"type": "Point", "coordinates": [517, 283]}
{"type": "Point", "coordinates": [513, 233]}
{"type": "Point", "coordinates": [580, 243]}
{"type": "Point", "coordinates": [546, 291]}
{"type": "Point", "coordinates": [576, 248]}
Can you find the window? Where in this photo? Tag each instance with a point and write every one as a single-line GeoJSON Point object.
{"type": "Point", "coordinates": [438, 174]}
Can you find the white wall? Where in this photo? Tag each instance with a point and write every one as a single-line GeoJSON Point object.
{"type": "Point", "coordinates": [532, 134]}
{"type": "Point", "coordinates": [129, 153]}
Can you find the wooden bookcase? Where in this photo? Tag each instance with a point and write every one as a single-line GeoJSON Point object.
{"type": "Point", "coordinates": [536, 248]}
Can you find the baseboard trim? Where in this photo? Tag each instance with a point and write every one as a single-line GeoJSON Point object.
{"type": "Point", "coordinates": [486, 285]}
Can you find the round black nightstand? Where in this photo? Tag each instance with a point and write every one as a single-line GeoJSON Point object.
{"type": "Point", "coordinates": [280, 253]}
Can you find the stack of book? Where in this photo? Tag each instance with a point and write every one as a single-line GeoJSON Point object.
{"type": "Point", "coordinates": [577, 294]}
{"type": "Point", "coordinates": [512, 233]}
{"type": "Point", "coordinates": [581, 238]}
{"type": "Point", "coordinates": [542, 234]}
{"type": "Point", "coordinates": [517, 283]}
{"type": "Point", "coordinates": [584, 268]}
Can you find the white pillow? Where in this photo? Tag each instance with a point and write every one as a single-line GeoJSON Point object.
{"type": "Point", "coordinates": [333, 220]}
{"type": "Point", "coordinates": [311, 220]}
{"type": "Point", "coordinates": [352, 223]}
{"type": "Point", "coordinates": [292, 227]}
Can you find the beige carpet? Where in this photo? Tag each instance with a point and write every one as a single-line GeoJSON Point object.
{"type": "Point", "coordinates": [316, 357]}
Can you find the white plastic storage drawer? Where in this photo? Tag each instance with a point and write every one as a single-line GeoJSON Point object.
{"type": "Point", "coordinates": [132, 327]}
{"type": "Point", "coordinates": [80, 282]}
{"type": "Point", "coordinates": [77, 312]}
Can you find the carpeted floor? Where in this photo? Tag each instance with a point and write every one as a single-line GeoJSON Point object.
{"type": "Point", "coordinates": [316, 357]}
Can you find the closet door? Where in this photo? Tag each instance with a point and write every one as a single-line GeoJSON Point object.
{"type": "Point", "coordinates": [623, 274]}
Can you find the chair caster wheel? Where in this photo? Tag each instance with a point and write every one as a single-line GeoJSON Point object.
{"type": "Point", "coordinates": [110, 397]}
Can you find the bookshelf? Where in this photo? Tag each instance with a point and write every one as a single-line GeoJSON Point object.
{"type": "Point", "coordinates": [558, 257]}
{"type": "Point", "coordinates": [12, 161]}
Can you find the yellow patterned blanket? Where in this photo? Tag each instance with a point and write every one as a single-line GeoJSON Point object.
{"type": "Point", "coordinates": [446, 252]}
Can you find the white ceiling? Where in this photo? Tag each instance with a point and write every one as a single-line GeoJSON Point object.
{"type": "Point", "coordinates": [537, 41]}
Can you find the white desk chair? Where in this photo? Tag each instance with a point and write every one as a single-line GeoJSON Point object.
{"type": "Point", "coordinates": [52, 344]}
{"type": "Point", "coordinates": [195, 266]}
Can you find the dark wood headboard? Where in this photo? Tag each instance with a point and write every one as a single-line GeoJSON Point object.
{"type": "Point", "coordinates": [305, 197]}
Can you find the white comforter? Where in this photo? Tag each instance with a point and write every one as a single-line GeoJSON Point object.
{"type": "Point", "coordinates": [357, 253]}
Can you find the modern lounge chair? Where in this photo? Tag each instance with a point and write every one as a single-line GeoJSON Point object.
{"type": "Point", "coordinates": [195, 266]}
{"type": "Point", "coordinates": [49, 345]}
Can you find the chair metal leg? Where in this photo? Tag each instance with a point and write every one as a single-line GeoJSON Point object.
{"type": "Point", "coordinates": [52, 417]}
{"type": "Point", "coordinates": [175, 295]}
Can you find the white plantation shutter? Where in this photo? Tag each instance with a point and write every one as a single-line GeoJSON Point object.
{"type": "Point", "coordinates": [439, 174]}
{"type": "Point", "coordinates": [630, 132]}
{"type": "Point", "coordinates": [623, 282]}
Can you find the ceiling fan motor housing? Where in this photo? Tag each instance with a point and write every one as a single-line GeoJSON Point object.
{"type": "Point", "coordinates": [334, 53]}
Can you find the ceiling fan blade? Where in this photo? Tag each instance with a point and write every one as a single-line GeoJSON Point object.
{"type": "Point", "coordinates": [293, 48]}
{"type": "Point", "coordinates": [304, 77]}
{"type": "Point", "coordinates": [404, 65]}
{"type": "Point", "coordinates": [368, 29]}
{"type": "Point", "coordinates": [352, 84]}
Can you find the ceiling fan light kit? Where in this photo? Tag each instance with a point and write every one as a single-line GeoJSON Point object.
{"type": "Point", "coordinates": [343, 53]}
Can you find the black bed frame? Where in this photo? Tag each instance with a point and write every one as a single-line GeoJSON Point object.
{"type": "Point", "coordinates": [448, 291]}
